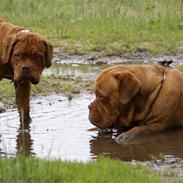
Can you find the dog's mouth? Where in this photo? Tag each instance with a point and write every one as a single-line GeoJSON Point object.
{"type": "Point", "coordinates": [34, 82]}
{"type": "Point", "coordinates": [31, 79]}
{"type": "Point", "coordinates": [100, 123]}
{"type": "Point", "coordinates": [99, 117]}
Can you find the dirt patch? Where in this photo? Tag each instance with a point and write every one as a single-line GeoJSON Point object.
{"type": "Point", "coordinates": [170, 167]}
{"type": "Point", "coordinates": [65, 58]}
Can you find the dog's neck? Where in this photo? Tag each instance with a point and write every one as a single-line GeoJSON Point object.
{"type": "Point", "coordinates": [138, 109]}
{"type": "Point", "coordinates": [151, 100]}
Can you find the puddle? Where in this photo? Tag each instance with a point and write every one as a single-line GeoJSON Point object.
{"type": "Point", "coordinates": [75, 70]}
{"type": "Point", "coordinates": [59, 131]}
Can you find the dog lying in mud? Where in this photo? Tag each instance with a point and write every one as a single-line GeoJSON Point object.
{"type": "Point", "coordinates": [144, 99]}
{"type": "Point", "coordinates": [23, 56]}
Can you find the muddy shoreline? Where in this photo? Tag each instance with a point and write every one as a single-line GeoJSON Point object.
{"type": "Point", "coordinates": [93, 59]}
{"type": "Point", "coordinates": [169, 167]}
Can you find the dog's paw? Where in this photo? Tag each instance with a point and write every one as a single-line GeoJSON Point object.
{"type": "Point", "coordinates": [125, 138]}
{"type": "Point", "coordinates": [135, 135]}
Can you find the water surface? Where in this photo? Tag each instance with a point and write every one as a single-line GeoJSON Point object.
{"type": "Point", "coordinates": [59, 131]}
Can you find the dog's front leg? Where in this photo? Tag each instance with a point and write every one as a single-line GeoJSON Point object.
{"type": "Point", "coordinates": [23, 90]}
{"type": "Point", "coordinates": [139, 133]}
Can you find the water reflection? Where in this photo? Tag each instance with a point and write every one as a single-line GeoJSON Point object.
{"type": "Point", "coordinates": [74, 70]}
{"type": "Point", "coordinates": [165, 143]}
{"type": "Point", "coordinates": [59, 131]}
{"type": "Point", "coordinates": [23, 140]}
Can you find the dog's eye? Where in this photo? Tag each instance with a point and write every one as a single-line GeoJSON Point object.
{"type": "Point", "coordinates": [37, 56]}
{"type": "Point", "coordinates": [18, 55]}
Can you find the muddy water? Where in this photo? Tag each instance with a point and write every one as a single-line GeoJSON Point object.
{"type": "Point", "coordinates": [59, 130]}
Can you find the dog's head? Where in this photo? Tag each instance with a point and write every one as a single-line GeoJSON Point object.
{"type": "Point", "coordinates": [114, 90]}
{"type": "Point", "coordinates": [28, 54]}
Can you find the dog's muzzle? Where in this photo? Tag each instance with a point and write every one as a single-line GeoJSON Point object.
{"type": "Point", "coordinates": [94, 114]}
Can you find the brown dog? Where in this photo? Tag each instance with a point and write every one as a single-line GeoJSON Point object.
{"type": "Point", "coordinates": [143, 98]}
{"type": "Point", "coordinates": [23, 56]}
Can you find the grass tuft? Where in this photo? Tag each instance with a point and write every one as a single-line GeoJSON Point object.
{"type": "Point", "coordinates": [104, 170]}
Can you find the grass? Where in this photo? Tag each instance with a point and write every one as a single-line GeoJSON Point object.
{"type": "Point", "coordinates": [104, 170]}
{"type": "Point", "coordinates": [180, 67]}
{"type": "Point", "coordinates": [102, 26]}
{"type": "Point", "coordinates": [7, 92]}
{"type": "Point", "coordinates": [48, 85]}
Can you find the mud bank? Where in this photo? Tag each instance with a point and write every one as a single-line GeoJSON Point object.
{"type": "Point", "coordinates": [65, 58]}
{"type": "Point", "coordinates": [170, 167]}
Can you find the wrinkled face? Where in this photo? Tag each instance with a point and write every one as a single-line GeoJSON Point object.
{"type": "Point", "coordinates": [104, 110]}
{"type": "Point", "coordinates": [28, 58]}
{"type": "Point", "coordinates": [115, 89]}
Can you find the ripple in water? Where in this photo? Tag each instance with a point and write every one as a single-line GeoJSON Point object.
{"type": "Point", "coordinates": [59, 131]}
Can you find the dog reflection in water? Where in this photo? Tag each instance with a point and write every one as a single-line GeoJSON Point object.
{"type": "Point", "coordinates": [23, 140]}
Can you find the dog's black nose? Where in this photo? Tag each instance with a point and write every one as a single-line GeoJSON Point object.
{"type": "Point", "coordinates": [26, 69]}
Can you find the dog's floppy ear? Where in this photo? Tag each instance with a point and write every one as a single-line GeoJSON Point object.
{"type": "Point", "coordinates": [49, 54]}
{"type": "Point", "coordinates": [129, 86]}
{"type": "Point", "coordinates": [7, 47]}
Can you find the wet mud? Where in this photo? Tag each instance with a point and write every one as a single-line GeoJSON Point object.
{"type": "Point", "coordinates": [64, 58]}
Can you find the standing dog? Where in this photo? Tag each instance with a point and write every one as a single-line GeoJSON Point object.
{"type": "Point", "coordinates": [143, 98]}
{"type": "Point", "coordinates": [23, 56]}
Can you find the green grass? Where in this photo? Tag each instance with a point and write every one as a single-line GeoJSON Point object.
{"type": "Point", "coordinates": [48, 85]}
{"type": "Point", "coordinates": [21, 170]}
{"type": "Point", "coordinates": [107, 27]}
{"type": "Point", "coordinates": [61, 84]}
{"type": "Point", "coordinates": [7, 92]}
{"type": "Point", "coordinates": [180, 67]}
